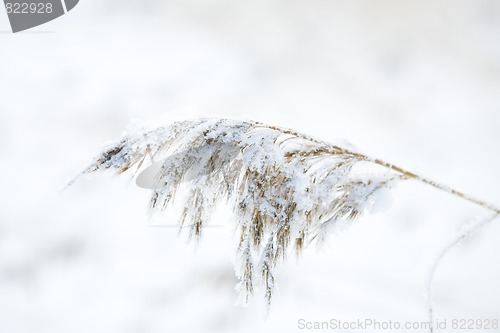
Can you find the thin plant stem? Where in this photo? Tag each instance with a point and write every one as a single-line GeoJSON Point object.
{"type": "Point", "coordinates": [466, 233]}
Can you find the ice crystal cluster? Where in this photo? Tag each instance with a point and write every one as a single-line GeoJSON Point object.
{"type": "Point", "coordinates": [286, 189]}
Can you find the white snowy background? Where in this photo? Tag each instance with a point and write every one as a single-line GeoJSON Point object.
{"type": "Point", "coordinates": [416, 83]}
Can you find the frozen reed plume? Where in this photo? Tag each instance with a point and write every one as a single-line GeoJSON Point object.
{"type": "Point", "coordinates": [286, 189]}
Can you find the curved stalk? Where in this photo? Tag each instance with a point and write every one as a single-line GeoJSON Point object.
{"type": "Point", "coordinates": [332, 149]}
{"type": "Point", "coordinates": [466, 233]}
